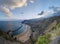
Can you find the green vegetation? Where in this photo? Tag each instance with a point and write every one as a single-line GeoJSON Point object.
{"type": "Point", "coordinates": [57, 31]}
{"type": "Point", "coordinates": [53, 28]}
{"type": "Point", "coordinates": [44, 39]}
{"type": "Point", "coordinates": [58, 25]}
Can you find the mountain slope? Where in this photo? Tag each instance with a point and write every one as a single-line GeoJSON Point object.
{"type": "Point", "coordinates": [40, 26]}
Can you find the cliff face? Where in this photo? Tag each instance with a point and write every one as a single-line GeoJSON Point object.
{"type": "Point", "coordinates": [40, 26]}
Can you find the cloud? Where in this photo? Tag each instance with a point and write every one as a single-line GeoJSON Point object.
{"type": "Point", "coordinates": [51, 10]}
{"type": "Point", "coordinates": [55, 9]}
{"type": "Point", "coordinates": [46, 12]}
{"type": "Point", "coordinates": [7, 5]}
{"type": "Point", "coordinates": [6, 11]}
{"type": "Point", "coordinates": [32, 1]}
{"type": "Point", "coordinates": [13, 3]}
{"type": "Point", "coordinates": [41, 13]}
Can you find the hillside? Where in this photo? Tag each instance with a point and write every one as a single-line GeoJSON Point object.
{"type": "Point", "coordinates": [40, 26]}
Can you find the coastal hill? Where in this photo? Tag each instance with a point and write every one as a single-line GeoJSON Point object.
{"type": "Point", "coordinates": [40, 26]}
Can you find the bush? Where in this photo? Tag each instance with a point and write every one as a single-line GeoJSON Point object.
{"type": "Point", "coordinates": [44, 39]}
{"type": "Point", "coordinates": [59, 25]}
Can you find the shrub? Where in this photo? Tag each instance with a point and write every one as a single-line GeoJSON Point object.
{"type": "Point", "coordinates": [59, 25]}
{"type": "Point", "coordinates": [43, 39]}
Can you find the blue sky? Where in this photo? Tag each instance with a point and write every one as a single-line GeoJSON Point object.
{"type": "Point", "coordinates": [28, 9]}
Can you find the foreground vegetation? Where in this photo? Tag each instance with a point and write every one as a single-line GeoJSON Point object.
{"type": "Point", "coordinates": [45, 39]}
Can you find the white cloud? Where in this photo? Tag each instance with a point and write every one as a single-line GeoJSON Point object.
{"type": "Point", "coordinates": [47, 12]}
{"type": "Point", "coordinates": [51, 10]}
{"type": "Point", "coordinates": [12, 3]}
{"type": "Point", "coordinates": [6, 11]}
{"type": "Point", "coordinates": [32, 1]}
{"type": "Point", "coordinates": [7, 5]}
{"type": "Point", "coordinates": [55, 9]}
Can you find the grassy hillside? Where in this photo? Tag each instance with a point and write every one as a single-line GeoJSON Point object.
{"type": "Point", "coordinates": [49, 36]}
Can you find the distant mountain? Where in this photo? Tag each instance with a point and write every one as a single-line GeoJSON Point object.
{"type": "Point", "coordinates": [42, 19]}
{"type": "Point", "coordinates": [39, 20]}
